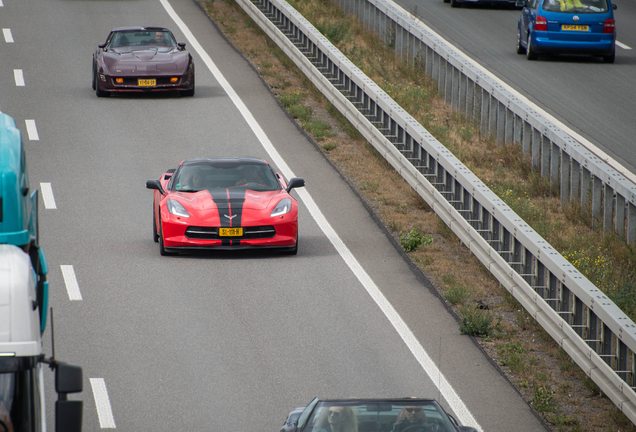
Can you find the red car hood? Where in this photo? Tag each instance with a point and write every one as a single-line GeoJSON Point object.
{"type": "Point", "coordinates": [237, 199]}
{"type": "Point", "coordinates": [145, 61]}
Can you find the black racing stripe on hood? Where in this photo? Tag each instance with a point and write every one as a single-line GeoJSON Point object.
{"type": "Point", "coordinates": [229, 203]}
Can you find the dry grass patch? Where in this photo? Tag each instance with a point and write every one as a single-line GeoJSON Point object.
{"type": "Point", "coordinates": [547, 379]}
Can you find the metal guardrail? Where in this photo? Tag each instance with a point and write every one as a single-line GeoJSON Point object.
{"type": "Point", "coordinates": [609, 192]}
{"type": "Point", "coordinates": [583, 321]}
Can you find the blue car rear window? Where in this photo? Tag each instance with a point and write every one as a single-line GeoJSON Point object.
{"type": "Point", "coordinates": [576, 6]}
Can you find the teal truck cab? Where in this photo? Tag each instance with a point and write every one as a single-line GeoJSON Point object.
{"type": "Point", "coordinates": [22, 360]}
{"type": "Point", "coordinates": [19, 208]}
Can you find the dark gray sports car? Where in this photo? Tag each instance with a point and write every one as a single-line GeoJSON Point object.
{"type": "Point", "coordinates": [142, 59]}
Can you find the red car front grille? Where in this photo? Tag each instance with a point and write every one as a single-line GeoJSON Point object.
{"type": "Point", "coordinates": [212, 233]}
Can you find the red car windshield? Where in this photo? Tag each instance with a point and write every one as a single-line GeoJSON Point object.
{"type": "Point", "coordinates": [193, 178]}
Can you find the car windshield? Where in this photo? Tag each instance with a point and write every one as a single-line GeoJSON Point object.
{"type": "Point", "coordinates": [345, 416]}
{"type": "Point", "coordinates": [576, 6]}
{"type": "Point", "coordinates": [196, 177]}
{"type": "Point", "coordinates": [131, 38]}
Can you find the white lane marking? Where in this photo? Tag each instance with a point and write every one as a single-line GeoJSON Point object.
{"type": "Point", "coordinates": [1, 5]}
{"type": "Point", "coordinates": [19, 77]}
{"type": "Point", "coordinates": [8, 37]}
{"type": "Point", "coordinates": [70, 280]}
{"type": "Point", "coordinates": [47, 195]}
{"type": "Point", "coordinates": [32, 130]}
{"type": "Point", "coordinates": [451, 396]}
{"type": "Point", "coordinates": [102, 403]}
{"type": "Point", "coordinates": [622, 45]}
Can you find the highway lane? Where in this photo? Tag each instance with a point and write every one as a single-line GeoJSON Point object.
{"type": "Point", "coordinates": [202, 341]}
{"type": "Point", "coordinates": [594, 99]}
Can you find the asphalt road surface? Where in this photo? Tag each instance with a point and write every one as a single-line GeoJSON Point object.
{"type": "Point", "coordinates": [216, 341]}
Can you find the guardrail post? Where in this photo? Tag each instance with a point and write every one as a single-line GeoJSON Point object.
{"type": "Point", "coordinates": [575, 179]}
{"type": "Point", "coordinates": [484, 112]}
{"type": "Point", "coordinates": [608, 207]}
{"type": "Point", "coordinates": [493, 107]}
{"type": "Point", "coordinates": [526, 143]}
{"type": "Point", "coordinates": [565, 178]}
{"type": "Point", "coordinates": [536, 150]}
{"type": "Point", "coordinates": [607, 345]}
{"type": "Point", "coordinates": [586, 188]}
{"type": "Point", "coordinates": [593, 334]}
{"type": "Point", "coordinates": [555, 162]}
{"type": "Point", "coordinates": [619, 215]}
{"type": "Point", "coordinates": [552, 291]}
{"type": "Point", "coordinates": [546, 149]}
{"type": "Point", "coordinates": [631, 223]}
{"type": "Point", "coordinates": [501, 123]}
{"type": "Point", "coordinates": [510, 123]}
{"type": "Point", "coordinates": [517, 130]}
{"type": "Point", "coordinates": [597, 197]}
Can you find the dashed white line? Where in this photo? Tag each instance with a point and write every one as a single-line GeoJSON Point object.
{"type": "Point", "coordinates": [32, 130]}
{"type": "Point", "coordinates": [72, 287]}
{"type": "Point", "coordinates": [102, 403]}
{"type": "Point", "coordinates": [622, 45]}
{"type": "Point", "coordinates": [8, 37]}
{"type": "Point", "coordinates": [1, 5]}
{"type": "Point", "coordinates": [19, 77]}
{"type": "Point", "coordinates": [47, 195]}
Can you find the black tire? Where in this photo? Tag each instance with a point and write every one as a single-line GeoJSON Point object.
{"type": "Point", "coordinates": [446, 1]}
{"type": "Point", "coordinates": [162, 249]}
{"type": "Point", "coordinates": [610, 58]}
{"type": "Point", "coordinates": [98, 91]}
{"type": "Point", "coordinates": [155, 234]}
{"type": "Point", "coordinates": [191, 91]}
{"type": "Point", "coordinates": [530, 55]}
{"type": "Point", "coordinates": [520, 48]}
{"type": "Point", "coordinates": [455, 3]}
{"type": "Point", "coordinates": [93, 83]}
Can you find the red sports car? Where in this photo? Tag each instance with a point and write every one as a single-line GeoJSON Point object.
{"type": "Point", "coordinates": [142, 59]}
{"type": "Point", "coordinates": [224, 203]}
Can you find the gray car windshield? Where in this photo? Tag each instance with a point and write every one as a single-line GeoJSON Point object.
{"type": "Point", "coordinates": [194, 178]}
{"type": "Point", "coordinates": [128, 38]}
{"type": "Point", "coordinates": [378, 417]}
{"type": "Point", "coordinates": [576, 6]}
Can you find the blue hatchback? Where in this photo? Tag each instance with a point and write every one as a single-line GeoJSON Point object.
{"type": "Point", "coordinates": [567, 27]}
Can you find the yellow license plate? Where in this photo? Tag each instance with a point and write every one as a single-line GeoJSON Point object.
{"type": "Point", "coordinates": [230, 232]}
{"type": "Point", "coordinates": [569, 27]}
{"type": "Point", "coordinates": [147, 82]}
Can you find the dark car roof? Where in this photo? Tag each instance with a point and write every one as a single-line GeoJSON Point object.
{"type": "Point", "coordinates": [376, 400]}
{"type": "Point", "coordinates": [140, 29]}
{"type": "Point", "coordinates": [227, 162]}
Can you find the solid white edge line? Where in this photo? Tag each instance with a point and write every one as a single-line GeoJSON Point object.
{"type": "Point", "coordinates": [19, 77]}
{"type": "Point", "coordinates": [8, 37]}
{"type": "Point", "coordinates": [47, 196]}
{"type": "Point", "coordinates": [72, 287]}
{"type": "Point", "coordinates": [32, 130]}
{"type": "Point", "coordinates": [451, 396]}
{"type": "Point", "coordinates": [102, 403]}
{"type": "Point", "coordinates": [622, 45]}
